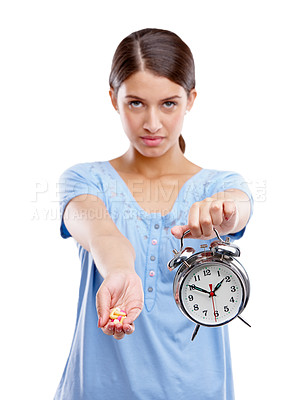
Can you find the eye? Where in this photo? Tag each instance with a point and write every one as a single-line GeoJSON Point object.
{"type": "Point", "coordinates": [169, 104]}
{"type": "Point", "coordinates": [135, 104]}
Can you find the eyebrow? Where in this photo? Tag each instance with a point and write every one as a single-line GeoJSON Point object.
{"type": "Point", "coordinates": [131, 96]}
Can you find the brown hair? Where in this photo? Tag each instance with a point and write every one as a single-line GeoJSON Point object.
{"type": "Point", "coordinates": [156, 50]}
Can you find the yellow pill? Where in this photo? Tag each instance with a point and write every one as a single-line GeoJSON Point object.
{"type": "Point", "coordinates": [122, 313]}
{"type": "Point", "coordinates": [113, 314]}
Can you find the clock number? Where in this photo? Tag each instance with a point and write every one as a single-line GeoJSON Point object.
{"type": "Point", "coordinates": [206, 272]}
{"type": "Point", "coordinates": [232, 300]}
{"type": "Point", "coordinates": [197, 278]}
{"type": "Point", "coordinates": [196, 308]}
{"type": "Point", "coordinates": [226, 308]}
{"type": "Point", "coordinates": [216, 313]}
{"type": "Point", "coordinates": [205, 312]}
{"type": "Point", "coordinates": [228, 279]}
{"type": "Point", "coordinates": [190, 297]}
{"type": "Point", "coordinates": [233, 289]}
{"type": "Point", "coordinates": [219, 273]}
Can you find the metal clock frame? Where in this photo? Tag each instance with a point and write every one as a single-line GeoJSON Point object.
{"type": "Point", "coordinates": [201, 260]}
{"type": "Point", "coordinates": [221, 252]}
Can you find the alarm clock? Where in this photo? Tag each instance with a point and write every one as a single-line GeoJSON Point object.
{"type": "Point", "coordinates": [210, 287]}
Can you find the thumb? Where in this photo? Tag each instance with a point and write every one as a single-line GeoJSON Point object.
{"type": "Point", "coordinates": [178, 230]}
{"type": "Point", "coordinates": [133, 314]}
{"type": "Point", "coordinates": [103, 302]}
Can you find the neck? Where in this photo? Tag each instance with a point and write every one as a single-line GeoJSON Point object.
{"type": "Point", "coordinates": [152, 167]}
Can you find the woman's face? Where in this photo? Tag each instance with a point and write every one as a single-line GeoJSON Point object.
{"type": "Point", "coordinates": [152, 110]}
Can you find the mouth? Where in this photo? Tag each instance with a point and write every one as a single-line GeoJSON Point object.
{"type": "Point", "coordinates": [152, 140]}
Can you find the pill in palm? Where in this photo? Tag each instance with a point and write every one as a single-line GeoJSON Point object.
{"type": "Point", "coordinates": [117, 315]}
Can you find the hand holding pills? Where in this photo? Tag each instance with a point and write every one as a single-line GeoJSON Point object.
{"type": "Point", "coordinates": [119, 301]}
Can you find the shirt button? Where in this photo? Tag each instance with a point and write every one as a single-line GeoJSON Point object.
{"type": "Point", "coordinates": [154, 241]}
{"type": "Point", "coordinates": [152, 258]}
{"type": "Point", "coordinates": [157, 226]}
{"type": "Point", "coordinates": [152, 273]}
{"type": "Point", "coordinates": [150, 289]}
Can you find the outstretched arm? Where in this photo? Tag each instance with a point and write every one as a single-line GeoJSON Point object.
{"type": "Point", "coordinates": [90, 224]}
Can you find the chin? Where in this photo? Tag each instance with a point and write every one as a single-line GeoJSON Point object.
{"type": "Point", "coordinates": [153, 152]}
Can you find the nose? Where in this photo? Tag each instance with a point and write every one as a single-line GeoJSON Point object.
{"type": "Point", "coordinates": [152, 122]}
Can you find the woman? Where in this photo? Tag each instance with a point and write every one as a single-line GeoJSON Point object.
{"type": "Point", "coordinates": [127, 214]}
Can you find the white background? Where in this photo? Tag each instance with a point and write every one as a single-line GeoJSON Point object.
{"type": "Point", "coordinates": [55, 112]}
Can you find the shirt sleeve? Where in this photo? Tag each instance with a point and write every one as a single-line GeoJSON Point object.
{"type": "Point", "coordinates": [226, 180]}
{"type": "Point", "coordinates": [75, 181]}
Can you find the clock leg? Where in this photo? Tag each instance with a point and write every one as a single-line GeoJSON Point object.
{"type": "Point", "coordinates": [241, 319]}
{"type": "Point", "coordinates": [195, 331]}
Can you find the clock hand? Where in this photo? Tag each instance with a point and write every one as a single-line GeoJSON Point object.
{"type": "Point", "coordinates": [198, 288]}
{"type": "Point", "coordinates": [213, 305]}
{"type": "Point", "coordinates": [218, 285]}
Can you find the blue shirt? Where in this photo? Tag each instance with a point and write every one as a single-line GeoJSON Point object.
{"type": "Point", "coordinates": [158, 361]}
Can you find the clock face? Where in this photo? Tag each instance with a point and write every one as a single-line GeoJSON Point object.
{"type": "Point", "coordinates": [211, 294]}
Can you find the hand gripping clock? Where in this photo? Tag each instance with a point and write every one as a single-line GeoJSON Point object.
{"type": "Point", "coordinates": [211, 287]}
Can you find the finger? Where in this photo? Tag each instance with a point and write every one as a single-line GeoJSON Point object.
{"type": "Point", "coordinates": [216, 213]}
{"type": "Point", "coordinates": [103, 303]}
{"type": "Point", "coordinates": [229, 209]}
{"type": "Point", "coordinates": [128, 328]}
{"type": "Point", "coordinates": [194, 221]}
{"type": "Point", "coordinates": [108, 329]}
{"type": "Point", "coordinates": [205, 220]}
{"type": "Point", "coordinates": [118, 332]}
